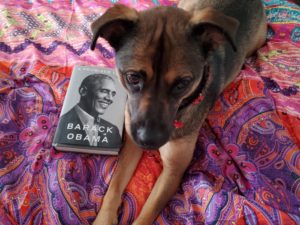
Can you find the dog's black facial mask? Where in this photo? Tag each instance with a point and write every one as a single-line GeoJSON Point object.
{"type": "Point", "coordinates": [161, 55]}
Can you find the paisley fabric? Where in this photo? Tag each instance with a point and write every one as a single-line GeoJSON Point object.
{"type": "Point", "coordinates": [246, 167]}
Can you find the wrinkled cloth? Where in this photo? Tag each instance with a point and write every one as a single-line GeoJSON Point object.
{"type": "Point", "coordinates": [246, 165]}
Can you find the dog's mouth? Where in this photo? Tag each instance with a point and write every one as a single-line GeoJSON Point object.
{"type": "Point", "coordinates": [149, 147]}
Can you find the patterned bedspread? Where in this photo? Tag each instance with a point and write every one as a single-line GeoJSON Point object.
{"type": "Point", "coordinates": [246, 165]}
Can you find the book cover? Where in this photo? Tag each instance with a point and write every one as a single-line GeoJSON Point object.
{"type": "Point", "coordinates": [92, 116]}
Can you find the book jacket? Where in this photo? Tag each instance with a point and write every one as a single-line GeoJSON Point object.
{"type": "Point", "coordinates": [92, 116]}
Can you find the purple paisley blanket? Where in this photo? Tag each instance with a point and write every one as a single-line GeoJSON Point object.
{"type": "Point", "coordinates": [246, 165]}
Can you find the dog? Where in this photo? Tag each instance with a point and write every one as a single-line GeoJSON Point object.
{"type": "Point", "coordinates": [174, 64]}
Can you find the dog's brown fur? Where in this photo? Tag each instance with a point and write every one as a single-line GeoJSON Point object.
{"type": "Point", "coordinates": [165, 58]}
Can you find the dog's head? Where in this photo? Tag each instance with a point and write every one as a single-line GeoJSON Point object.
{"type": "Point", "coordinates": [161, 56]}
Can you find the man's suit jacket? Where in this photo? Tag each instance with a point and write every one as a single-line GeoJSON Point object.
{"type": "Point", "coordinates": [68, 131]}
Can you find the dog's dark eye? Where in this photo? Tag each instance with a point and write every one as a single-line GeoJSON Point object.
{"type": "Point", "coordinates": [134, 80]}
{"type": "Point", "coordinates": [181, 85]}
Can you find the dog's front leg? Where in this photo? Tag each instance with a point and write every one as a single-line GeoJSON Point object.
{"type": "Point", "coordinates": [176, 156]}
{"type": "Point", "coordinates": [127, 162]}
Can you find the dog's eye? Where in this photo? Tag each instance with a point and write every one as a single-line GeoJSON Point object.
{"type": "Point", "coordinates": [181, 85]}
{"type": "Point", "coordinates": [133, 78]}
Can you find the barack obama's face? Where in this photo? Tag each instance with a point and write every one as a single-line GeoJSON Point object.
{"type": "Point", "coordinates": [98, 96]}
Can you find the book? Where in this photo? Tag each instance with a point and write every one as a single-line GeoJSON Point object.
{"type": "Point", "coordinates": [93, 112]}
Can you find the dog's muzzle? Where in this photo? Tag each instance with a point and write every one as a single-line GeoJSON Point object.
{"type": "Point", "coordinates": [150, 136]}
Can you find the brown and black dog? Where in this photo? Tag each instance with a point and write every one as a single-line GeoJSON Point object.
{"type": "Point", "coordinates": [174, 63]}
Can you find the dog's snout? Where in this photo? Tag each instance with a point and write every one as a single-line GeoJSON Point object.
{"type": "Point", "coordinates": [151, 136]}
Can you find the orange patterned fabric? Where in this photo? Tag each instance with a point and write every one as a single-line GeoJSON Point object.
{"type": "Point", "coordinates": [246, 165]}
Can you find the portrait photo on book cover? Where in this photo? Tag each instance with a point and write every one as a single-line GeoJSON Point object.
{"type": "Point", "coordinates": [87, 118]}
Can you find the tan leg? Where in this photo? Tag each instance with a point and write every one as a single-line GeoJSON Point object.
{"type": "Point", "coordinates": [129, 157]}
{"type": "Point", "coordinates": [128, 160]}
{"type": "Point", "coordinates": [176, 156]}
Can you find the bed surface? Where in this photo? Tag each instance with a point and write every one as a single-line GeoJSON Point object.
{"type": "Point", "coordinates": [246, 167]}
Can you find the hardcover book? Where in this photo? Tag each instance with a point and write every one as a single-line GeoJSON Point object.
{"type": "Point", "coordinates": [92, 116]}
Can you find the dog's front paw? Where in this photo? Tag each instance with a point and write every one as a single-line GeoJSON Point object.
{"type": "Point", "coordinates": [106, 217]}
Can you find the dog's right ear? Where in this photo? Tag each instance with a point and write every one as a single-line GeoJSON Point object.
{"type": "Point", "coordinates": [113, 25]}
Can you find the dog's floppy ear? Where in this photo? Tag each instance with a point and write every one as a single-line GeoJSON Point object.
{"type": "Point", "coordinates": [113, 25]}
{"type": "Point", "coordinates": [214, 27]}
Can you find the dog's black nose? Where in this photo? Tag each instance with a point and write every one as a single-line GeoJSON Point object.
{"type": "Point", "coordinates": [151, 136]}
